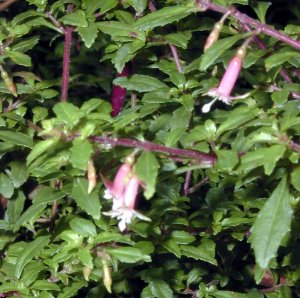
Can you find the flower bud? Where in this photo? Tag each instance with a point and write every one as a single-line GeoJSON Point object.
{"type": "Point", "coordinates": [8, 82]}
{"type": "Point", "coordinates": [92, 177]}
{"type": "Point", "coordinates": [86, 273]}
{"type": "Point", "coordinates": [107, 280]}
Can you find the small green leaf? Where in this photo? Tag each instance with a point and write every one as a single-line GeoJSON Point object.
{"type": "Point", "coordinates": [140, 83]}
{"type": "Point", "coordinates": [33, 249]}
{"type": "Point", "coordinates": [45, 285]}
{"type": "Point", "coordinates": [236, 118]}
{"type": "Point", "coordinates": [139, 6]}
{"type": "Point", "coordinates": [172, 247]}
{"type": "Point", "coordinates": [81, 152]}
{"type": "Point", "coordinates": [129, 254]}
{"type": "Point", "coordinates": [126, 53]}
{"type": "Point", "coordinates": [16, 138]}
{"type": "Point", "coordinates": [67, 113]}
{"type": "Point", "coordinates": [266, 157]}
{"type": "Point", "coordinates": [295, 178]}
{"type": "Point", "coordinates": [218, 48]}
{"type": "Point", "coordinates": [160, 289]}
{"type": "Point", "coordinates": [92, 5]}
{"type": "Point", "coordinates": [164, 16]}
{"type": "Point", "coordinates": [85, 257]}
{"type": "Point", "coordinates": [227, 159]}
{"type": "Point", "coordinates": [6, 186]}
{"type": "Point", "coordinates": [20, 58]}
{"type": "Point", "coordinates": [280, 57]}
{"type": "Point", "coordinates": [18, 173]}
{"type": "Point", "coordinates": [88, 34]}
{"type": "Point", "coordinates": [88, 202]}
{"type": "Point", "coordinates": [261, 10]}
{"type": "Point", "coordinates": [147, 170]}
{"type": "Point", "coordinates": [271, 225]}
{"type": "Point", "coordinates": [83, 226]}
{"type": "Point", "coordinates": [15, 207]}
{"type": "Point", "coordinates": [76, 18]}
{"type": "Point", "coordinates": [182, 237]}
{"type": "Point", "coordinates": [40, 148]}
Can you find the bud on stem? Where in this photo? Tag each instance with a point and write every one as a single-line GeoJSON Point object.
{"type": "Point", "coordinates": [8, 82]}
{"type": "Point", "coordinates": [107, 281]}
{"type": "Point", "coordinates": [92, 177]}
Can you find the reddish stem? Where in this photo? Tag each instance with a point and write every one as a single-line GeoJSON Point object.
{"type": "Point", "coordinates": [66, 60]}
{"type": "Point", "coordinates": [175, 56]}
{"type": "Point", "coordinates": [283, 72]}
{"type": "Point", "coordinates": [204, 158]}
{"type": "Point", "coordinates": [244, 19]}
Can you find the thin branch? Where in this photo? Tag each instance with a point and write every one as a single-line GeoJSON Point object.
{"type": "Point", "coordinates": [203, 158]}
{"type": "Point", "coordinates": [6, 4]}
{"type": "Point", "coordinates": [55, 22]}
{"type": "Point", "coordinates": [152, 8]}
{"type": "Point", "coordinates": [175, 56]}
{"type": "Point", "coordinates": [198, 185]}
{"type": "Point", "coordinates": [66, 60]}
{"type": "Point", "coordinates": [244, 19]}
{"type": "Point", "coordinates": [283, 72]}
{"type": "Point", "coordinates": [187, 182]}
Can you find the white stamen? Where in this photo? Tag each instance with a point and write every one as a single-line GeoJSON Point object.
{"type": "Point", "coordinates": [206, 107]}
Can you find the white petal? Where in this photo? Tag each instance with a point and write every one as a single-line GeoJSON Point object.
{"type": "Point", "coordinates": [107, 195]}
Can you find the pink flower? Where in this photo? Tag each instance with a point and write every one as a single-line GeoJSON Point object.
{"type": "Point", "coordinates": [118, 94]}
{"type": "Point", "coordinates": [223, 92]}
{"type": "Point", "coordinates": [123, 191]}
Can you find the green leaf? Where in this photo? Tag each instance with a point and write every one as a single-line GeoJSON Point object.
{"type": "Point", "coordinates": [6, 186]}
{"type": "Point", "coordinates": [88, 34]}
{"type": "Point", "coordinates": [182, 237]}
{"type": "Point", "coordinates": [18, 173]}
{"type": "Point", "coordinates": [295, 178]}
{"type": "Point", "coordinates": [117, 29]}
{"type": "Point", "coordinates": [140, 83]}
{"type": "Point", "coordinates": [280, 57]}
{"type": "Point", "coordinates": [67, 113]}
{"type": "Point", "coordinates": [81, 152]}
{"type": "Point", "coordinates": [179, 39]}
{"type": "Point", "coordinates": [236, 118]}
{"type": "Point", "coordinates": [205, 252]}
{"type": "Point", "coordinates": [129, 254]}
{"type": "Point", "coordinates": [163, 17]}
{"type": "Point", "coordinates": [227, 159]}
{"type": "Point", "coordinates": [85, 257]}
{"type": "Point", "coordinates": [218, 48]}
{"type": "Point", "coordinates": [33, 249]}
{"type": "Point", "coordinates": [15, 207]}
{"type": "Point", "coordinates": [139, 6]}
{"type": "Point", "coordinates": [19, 58]}
{"type": "Point", "coordinates": [41, 4]}
{"type": "Point", "coordinates": [88, 202]}
{"type": "Point", "coordinates": [261, 10]}
{"type": "Point", "coordinates": [172, 247]}
{"type": "Point", "coordinates": [16, 138]}
{"type": "Point", "coordinates": [126, 53]}
{"type": "Point", "coordinates": [83, 226]}
{"type": "Point", "coordinates": [271, 225]}
{"type": "Point", "coordinates": [160, 289]}
{"type": "Point", "coordinates": [92, 5]}
{"type": "Point", "coordinates": [76, 18]}
{"type": "Point", "coordinates": [110, 236]}
{"type": "Point", "coordinates": [40, 148]}
{"type": "Point", "coordinates": [266, 157]}
{"type": "Point", "coordinates": [45, 285]}
{"type": "Point", "coordinates": [146, 169]}
{"type": "Point", "coordinates": [26, 44]}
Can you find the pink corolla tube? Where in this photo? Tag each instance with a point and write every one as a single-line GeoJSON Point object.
{"type": "Point", "coordinates": [223, 91]}
{"type": "Point", "coordinates": [118, 94]}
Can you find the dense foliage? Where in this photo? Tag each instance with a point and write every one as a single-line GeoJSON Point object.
{"type": "Point", "coordinates": [217, 212]}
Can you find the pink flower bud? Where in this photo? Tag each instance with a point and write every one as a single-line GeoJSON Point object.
{"type": "Point", "coordinates": [229, 78]}
{"type": "Point", "coordinates": [118, 94]}
{"type": "Point", "coordinates": [131, 192]}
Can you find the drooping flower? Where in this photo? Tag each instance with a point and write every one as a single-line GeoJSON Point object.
{"type": "Point", "coordinates": [223, 92]}
{"type": "Point", "coordinates": [123, 191]}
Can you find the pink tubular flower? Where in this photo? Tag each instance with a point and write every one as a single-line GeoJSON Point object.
{"type": "Point", "coordinates": [223, 92]}
{"type": "Point", "coordinates": [123, 191]}
{"type": "Point", "coordinates": [118, 94]}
